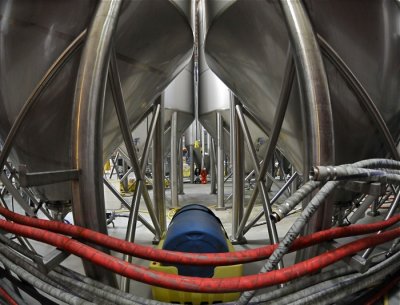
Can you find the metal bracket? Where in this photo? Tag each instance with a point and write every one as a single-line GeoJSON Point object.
{"type": "Point", "coordinates": [42, 178]}
{"type": "Point", "coordinates": [52, 260]}
{"type": "Point", "coordinates": [356, 261]}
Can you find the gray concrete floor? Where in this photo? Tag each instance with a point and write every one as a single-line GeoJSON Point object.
{"type": "Point", "coordinates": [193, 193]}
{"type": "Point", "coordinates": [200, 194]}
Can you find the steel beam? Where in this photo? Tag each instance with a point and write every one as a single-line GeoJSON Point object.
{"type": "Point", "coordinates": [174, 160]}
{"type": "Point", "coordinates": [213, 169]}
{"type": "Point", "coordinates": [238, 172]}
{"type": "Point", "coordinates": [158, 168]}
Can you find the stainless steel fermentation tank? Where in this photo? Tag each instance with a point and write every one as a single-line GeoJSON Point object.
{"type": "Point", "coordinates": [177, 97]}
{"type": "Point", "coordinates": [56, 102]}
{"type": "Point", "coordinates": [356, 117]}
{"type": "Point", "coordinates": [57, 91]}
{"type": "Point", "coordinates": [215, 99]}
{"type": "Point", "coordinates": [43, 141]}
{"type": "Point", "coordinates": [319, 76]}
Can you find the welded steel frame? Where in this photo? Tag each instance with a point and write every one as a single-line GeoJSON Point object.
{"type": "Point", "coordinates": [261, 172]}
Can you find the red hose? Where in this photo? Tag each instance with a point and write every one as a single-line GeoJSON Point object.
{"type": "Point", "coordinates": [4, 294]}
{"type": "Point", "coordinates": [196, 284]}
{"type": "Point", "coordinates": [213, 259]}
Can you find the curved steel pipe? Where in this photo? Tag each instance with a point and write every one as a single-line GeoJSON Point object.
{"type": "Point", "coordinates": [87, 146]}
{"type": "Point", "coordinates": [315, 98]}
{"type": "Point", "coordinates": [313, 84]}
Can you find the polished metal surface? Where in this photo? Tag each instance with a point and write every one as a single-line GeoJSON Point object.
{"type": "Point", "coordinates": [178, 97]}
{"type": "Point", "coordinates": [71, 122]}
{"type": "Point", "coordinates": [214, 95]}
{"type": "Point", "coordinates": [249, 56]}
{"type": "Point", "coordinates": [34, 34]}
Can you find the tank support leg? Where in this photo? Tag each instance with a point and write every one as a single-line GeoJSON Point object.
{"type": "Point", "coordinates": [174, 160]}
{"type": "Point", "coordinates": [237, 153]}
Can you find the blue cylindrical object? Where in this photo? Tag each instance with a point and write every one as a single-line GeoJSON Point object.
{"type": "Point", "coordinates": [195, 228]}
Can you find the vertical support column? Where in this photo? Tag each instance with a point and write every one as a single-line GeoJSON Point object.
{"type": "Point", "coordinates": [203, 148]}
{"type": "Point", "coordinates": [124, 171]}
{"type": "Point", "coordinates": [158, 169]}
{"type": "Point", "coordinates": [213, 171]}
{"type": "Point", "coordinates": [180, 168]}
{"type": "Point", "coordinates": [238, 171]}
{"type": "Point", "coordinates": [220, 162]}
{"type": "Point", "coordinates": [209, 144]}
{"type": "Point", "coordinates": [174, 159]}
{"type": "Point", "coordinates": [191, 154]}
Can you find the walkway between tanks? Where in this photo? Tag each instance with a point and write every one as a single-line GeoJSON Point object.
{"type": "Point", "coordinates": [200, 194]}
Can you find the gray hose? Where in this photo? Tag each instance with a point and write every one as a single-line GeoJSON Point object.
{"type": "Point", "coordinates": [322, 173]}
{"type": "Point", "coordinates": [377, 163]}
{"type": "Point", "coordinates": [92, 285]}
{"type": "Point", "coordinates": [292, 234]}
{"type": "Point", "coordinates": [108, 289]}
{"type": "Point", "coordinates": [294, 200]}
{"type": "Point", "coordinates": [32, 268]}
{"type": "Point", "coordinates": [2, 302]}
{"type": "Point", "coordinates": [18, 248]}
{"type": "Point", "coordinates": [41, 285]}
{"type": "Point", "coordinates": [104, 295]}
{"type": "Point", "coordinates": [345, 288]}
{"type": "Point", "coordinates": [62, 282]}
{"type": "Point", "coordinates": [301, 284]}
{"type": "Point", "coordinates": [11, 292]}
{"type": "Point", "coordinates": [28, 266]}
{"type": "Point", "coordinates": [318, 292]}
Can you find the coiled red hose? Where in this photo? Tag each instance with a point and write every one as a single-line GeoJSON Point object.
{"type": "Point", "coordinates": [172, 257]}
{"type": "Point", "coordinates": [4, 294]}
{"type": "Point", "coordinates": [196, 284]}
